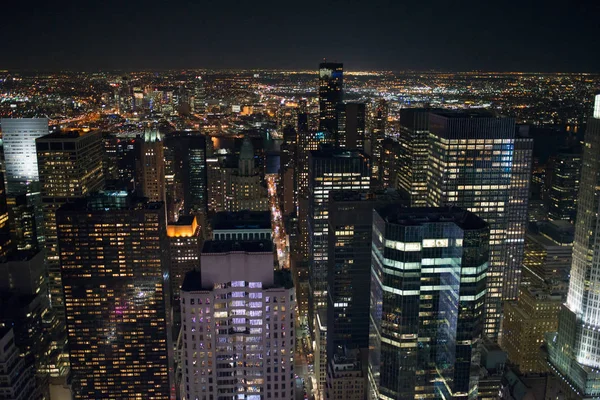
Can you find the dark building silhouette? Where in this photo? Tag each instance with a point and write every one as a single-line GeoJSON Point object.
{"type": "Point", "coordinates": [331, 93]}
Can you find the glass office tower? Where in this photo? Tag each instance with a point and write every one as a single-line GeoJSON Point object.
{"type": "Point", "coordinates": [428, 284]}
{"type": "Point", "coordinates": [478, 162]}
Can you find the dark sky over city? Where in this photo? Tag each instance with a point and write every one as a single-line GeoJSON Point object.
{"type": "Point", "coordinates": [510, 35]}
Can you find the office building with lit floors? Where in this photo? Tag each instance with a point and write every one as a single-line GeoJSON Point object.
{"type": "Point", "coordinates": [478, 162]}
{"type": "Point", "coordinates": [574, 350]}
{"type": "Point", "coordinates": [330, 170]}
{"type": "Point", "coordinates": [413, 154]}
{"type": "Point", "coordinates": [427, 311]}
{"type": "Point", "coordinates": [114, 260]}
{"type": "Point", "coordinates": [238, 318]}
{"type": "Point", "coordinates": [70, 168]}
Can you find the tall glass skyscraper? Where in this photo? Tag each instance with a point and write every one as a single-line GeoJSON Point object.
{"type": "Point", "coordinates": [330, 169]}
{"type": "Point", "coordinates": [575, 350]}
{"type": "Point", "coordinates": [428, 283]}
{"type": "Point", "coordinates": [478, 162]}
{"type": "Point", "coordinates": [114, 261]}
{"type": "Point", "coordinates": [331, 93]}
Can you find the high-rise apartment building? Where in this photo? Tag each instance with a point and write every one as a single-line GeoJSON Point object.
{"type": "Point", "coordinates": [351, 125]}
{"type": "Point", "coordinates": [427, 312]}
{"type": "Point", "coordinates": [70, 168]}
{"type": "Point", "coordinates": [238, 320]}
{"type": "Point", "coordinates": [21, 164]}
{"type": "Point", "coordinates": [185, 242]}
{"type": "Point", "coordinates": [330, 169]}
{"type": "Point", "coordinates": [525, 323]}
{"type": "Point", "coordinates": [574, 348]}
{"type": "Point", "coordinates": [151, 167]}
{"type": "Point", "coordinates": [331, 93]}
{"type": "Point", "coordinates": [114, 261]}
{"type": "Point", "coordinates": [479, 163]}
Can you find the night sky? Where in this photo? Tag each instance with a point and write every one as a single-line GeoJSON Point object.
{"type": "Point", "coordinates": [447, 35]}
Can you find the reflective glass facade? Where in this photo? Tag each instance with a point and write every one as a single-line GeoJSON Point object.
{"type": "Point", "coordinates": [477, 162]}
{"type": "Point", "coordinates": [428, 282]}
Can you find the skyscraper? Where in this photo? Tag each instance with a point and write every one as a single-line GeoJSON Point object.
{"type": "Point", "coordinates": [525, 323]}
{"type": "Point", "coordinates": [16, 374]}
{"type": "Point", "coordinates": [238, 320]}
{"type": "Point", "coordinates": [114, 261]}
{"type": "Point", "coordinates": [70, 167]}
{"type": "Point", "coordinates": [330, 169]}
{"type": "Point", "coordinates": [351, 125]}
{"type": "Point", "coordinates": [331, 93]}
{"type": "Point", "coordinates": [427, 286]}
{"type": "Point", "coordinates": [348, 279]}
{"type": "Point", "coordinates": [6, 243]}
{"type": "Point", "coordinates": [574, 348]}
{"type": "Point", "coordinates": [378, 131]}
{"type": "Point", "coordinates": [151, 167]}
{"type": "Point", "coordinates": [188, 151]}
{"type": "Point", "coordinates": [246, 189]}
{"type": "Point", "coordinates": [18, 138]}
{"type": "Point", "coordinates": [564, 185]}
{"type": "Point", "coordinates": [185, 240]}
{"type": "Point", "coordinates": [479, 163]}
{"type": "Point", "coordinates": [413, 155]}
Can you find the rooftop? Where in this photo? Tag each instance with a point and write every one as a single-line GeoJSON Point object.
{"type": "Point", "coordinates": [229, 246]}
{"type": "Point", "coordinates": [397, 214]}
{"type": "Point", "coordinates": [111, 201]}
{"type": "Point", "coordinates": [192, 281]}
{"type": "Point", "coordinates": [242, 220]}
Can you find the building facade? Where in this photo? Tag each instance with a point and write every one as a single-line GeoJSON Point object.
{"type": "Point", "coordinates": [478, 162]}
{"type": "Point", "coordinates": [525, 323]}
{"type": "Point", "coordinates": [18, 140]}
{"type": "Point", "coordinates": [573, 350]}
{"type": "Point", "coordinates": [70, 168]}
{"type": "Point", "coordinates": [330, 170]}
{"type": "Point", "coordinates": [238, 321]}
{"type": "Point", "coordinates": [427, 313]}
{"type": "Point", "coordinates": [185, 242]}
{"type": "Point", "coordinates": [114, 262]}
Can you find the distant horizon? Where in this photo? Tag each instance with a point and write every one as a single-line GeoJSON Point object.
{"type": "Point", "coordinates": [297, 70]}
